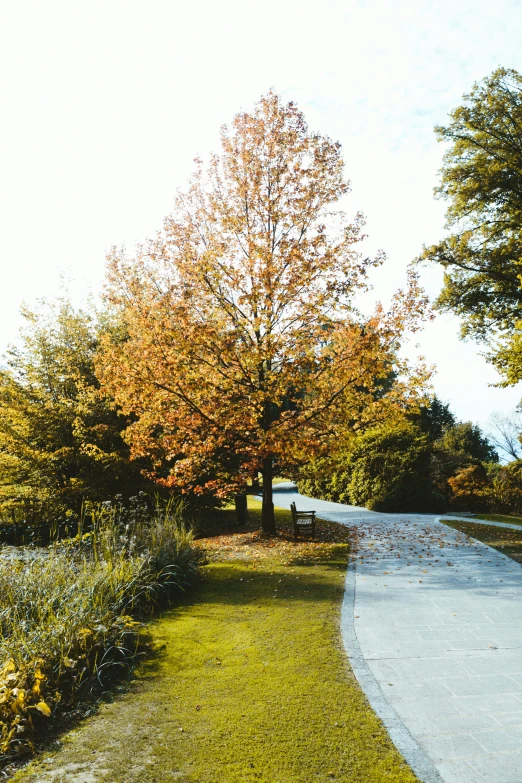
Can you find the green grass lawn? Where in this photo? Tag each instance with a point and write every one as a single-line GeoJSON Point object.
{"type": "Point", "coordinates": [250, 682]}
{"type": "Point", "coordinates": [509, 542]}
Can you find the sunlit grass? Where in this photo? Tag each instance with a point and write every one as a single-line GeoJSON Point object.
{"type": "Point", "coordinates": [250, 684]}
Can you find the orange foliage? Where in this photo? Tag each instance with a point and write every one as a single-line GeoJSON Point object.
{"type": "Point", "coordinates": [242, 346]}
{"type": "Point", "coordinates": [469, 487]}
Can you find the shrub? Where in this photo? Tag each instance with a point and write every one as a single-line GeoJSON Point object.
{"type": "Point", "coordinates": [385, 469]}
{"type": "Point", "coordinates": [69, 615]}
{"type": "Point", "coordinates": [390, 470]}
{"type": "Point", "coordinates": [327, 478]}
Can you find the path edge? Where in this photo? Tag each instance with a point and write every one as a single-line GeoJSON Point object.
{"type": "Point", "coordinates": [413, 754]}
{"type": "Point", "coordinates": [473, 521]}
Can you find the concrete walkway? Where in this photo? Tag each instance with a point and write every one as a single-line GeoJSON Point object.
{"type": "Point", "coordinates": [488, 523]}
{"type": "Point", "coordinates": [432, 625]}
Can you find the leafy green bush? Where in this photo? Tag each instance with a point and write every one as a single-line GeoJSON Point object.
{"type": "Point", "coordinates": [69, 615]}
{"type": "Point", "coordinates": [390, 470]}
{"type": "Point", "coordinates": [327, 478]}
{"type": "Point", "coordinates": [386, 469]}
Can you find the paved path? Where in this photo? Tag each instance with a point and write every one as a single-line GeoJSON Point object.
{"type": "Point", "coordinates": [432, 624]}
{"type": "Point", "coordinates": [488, 523]}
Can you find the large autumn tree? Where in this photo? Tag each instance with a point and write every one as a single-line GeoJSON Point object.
{"type": "Point", "coordinates": [481, 180]}
{"type": "Point", "coordinates": [243, 349]}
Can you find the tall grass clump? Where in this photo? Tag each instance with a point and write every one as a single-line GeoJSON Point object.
{"type": "Point", "coordinates": [70, 614]}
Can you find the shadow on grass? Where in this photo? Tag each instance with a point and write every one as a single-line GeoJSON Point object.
{"type": "Point", "coordinates": [222, 522]}
{"type": "Point", "coordinates": [238, 582]}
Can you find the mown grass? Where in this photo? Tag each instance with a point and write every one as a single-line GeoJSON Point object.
{"type": "Point", "coordinates": [250, 682]}
{"type": "Point", "coordinates": [69, 617]}
{"type": "Point", "coordinates": [509, 542]}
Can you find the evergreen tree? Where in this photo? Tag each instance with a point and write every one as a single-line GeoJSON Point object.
{"type": "Point", "coordinates": [60, 437]}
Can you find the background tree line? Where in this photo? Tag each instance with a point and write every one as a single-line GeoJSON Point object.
{"type": "Point", "coordinates": [428, 461]}
{"type": "Point", "coordinates": [228, 346]}
{"type": "Point", "coordinates": [231, 345]}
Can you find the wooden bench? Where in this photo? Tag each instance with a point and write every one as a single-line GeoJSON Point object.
{"type": "Point", "coordinates": [303, 520]}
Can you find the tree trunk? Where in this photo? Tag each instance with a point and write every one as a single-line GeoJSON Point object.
{"type": "Point", "coordinates": [267, 511]}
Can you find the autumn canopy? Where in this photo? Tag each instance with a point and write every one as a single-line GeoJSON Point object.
{"type": "Point", "coordinates": [240, 347]}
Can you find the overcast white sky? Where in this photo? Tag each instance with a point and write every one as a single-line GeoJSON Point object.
{"type": "Point", "coordinates": [106, 103]}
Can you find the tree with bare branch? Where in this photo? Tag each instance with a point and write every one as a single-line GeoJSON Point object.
{"type": "Point", "coordinates": [505, 432]}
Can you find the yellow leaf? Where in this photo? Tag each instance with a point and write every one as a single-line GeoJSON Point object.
{"type": "Point", "coordinates": [7, 669]}
{"type": "Point", "coordinates": [43, 708]}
